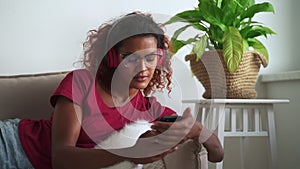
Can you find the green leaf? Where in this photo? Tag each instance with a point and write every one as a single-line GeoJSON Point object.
{"type": "Point", "coordinates": [241, 6]}
{"type": "Point", "coordinates": [250, 2]}
{"type": "Point", "coordinates": [228, 10]}
{"type": "Point", "coordinates": [244, 31]}
{"type": "Point", "coordinates": [198, 26]}
{"type": "Point", "coordinates": [179, 31]}
{"type": "Point", "coordinates": [219, 3]}
{"type": "Point", "coordinates": [214, 2]}
{"type": "Point", "coordinates": [188, 16]}
{"type": "Point", "coordinates": [232, 48]}
{"type": "Point", "coordinates": [211, 14]}
{"type": "Point", "coordinates": [200, 46]}
{"type": "Point", "coordinates": [245, 45]}
{"type": "Point", "coordinates": [260, 48]}
{"type": "Point", "coordinates": [256, 31]}
{"type": "Point", "coordinates": [176, 45]}
{"type": "Point", "coordinates": [263, 7]}
{"type": "Point", "coordinates": [216, 35]}
{"type": "Point", "coordinates": [192, 40]}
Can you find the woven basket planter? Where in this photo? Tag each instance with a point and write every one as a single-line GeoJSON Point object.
{"type": "Point", "coordinates": [218, 82]}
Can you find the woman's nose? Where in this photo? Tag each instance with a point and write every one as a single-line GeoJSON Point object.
{"type": "Point", "coordinates": [141, 65]}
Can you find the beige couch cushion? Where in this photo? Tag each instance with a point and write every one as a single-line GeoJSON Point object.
{"type": "Point", "coordinates": [27, 96]}
{"type": "Point", "coordinates": [189, 156]}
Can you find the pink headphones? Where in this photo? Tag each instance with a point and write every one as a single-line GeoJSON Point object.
{"type": "Point", "coordinates": [161, 60]}
{"type": "Point", "coordinates": [113, 57]}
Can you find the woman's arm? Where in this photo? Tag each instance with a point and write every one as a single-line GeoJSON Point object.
{"type": "Point", "coordinates": [214, 148]}
{"type": "Point", "coordinates": [66, 127]}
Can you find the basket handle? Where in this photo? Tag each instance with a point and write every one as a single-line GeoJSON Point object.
{"type": "Point", "coordinates": [262, 58]}
{"type": "Point", "coordinates": [190, 57]}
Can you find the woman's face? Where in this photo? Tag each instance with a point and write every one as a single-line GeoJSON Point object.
{"type": "Point", "coordinates": [137, 61]}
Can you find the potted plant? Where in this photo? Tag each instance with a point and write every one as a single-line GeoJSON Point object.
{"type": "Point", "coordinates": [226, 29]}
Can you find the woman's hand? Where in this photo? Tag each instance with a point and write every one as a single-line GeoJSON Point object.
{"type": "Point", "coordinates": [189, 128]}
{"type": "Point", "coordinates": [179, 131]}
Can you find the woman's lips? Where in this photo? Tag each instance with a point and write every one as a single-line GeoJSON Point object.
{"type": "Point", "coordinates": [141, 78]}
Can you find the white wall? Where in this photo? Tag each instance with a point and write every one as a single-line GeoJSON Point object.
{"type": "Point", "coordinates": [46, 35]}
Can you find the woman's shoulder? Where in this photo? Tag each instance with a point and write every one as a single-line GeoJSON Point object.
{"type": "Point", "coordinates": [76, 82]}
{"type": "Point", "coordinates": [80, 72]}
{"type": "Point", "coordinates": [80, 75]}
{"type": "Point", "coordinates": [77, 79]}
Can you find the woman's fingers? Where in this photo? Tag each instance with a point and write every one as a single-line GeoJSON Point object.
{"type": "Point", "coordinates": [178, 131]}
{"type": "Point", "coordinates": [180, 128]}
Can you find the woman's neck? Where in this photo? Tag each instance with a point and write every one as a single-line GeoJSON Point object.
{"type": "Point", "coordinates": [116, 98]}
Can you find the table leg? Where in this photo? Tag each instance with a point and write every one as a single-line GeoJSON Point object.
{"type": "Point", "coordinates": [272, 137]}
{"type": "Point", "coordinates": [220, 130]}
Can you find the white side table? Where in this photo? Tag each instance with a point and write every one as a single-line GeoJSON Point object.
{"type": "Point", "coordinates": [211, 113]}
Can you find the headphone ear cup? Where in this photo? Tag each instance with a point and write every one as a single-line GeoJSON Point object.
{"type": "Point", "coordinates": [112, 58]}
{"type": "Point", "coordinates": [163, 54]}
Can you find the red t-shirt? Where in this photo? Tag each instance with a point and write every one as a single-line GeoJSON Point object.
{"type": "Point", "coordinates": [98, 120]}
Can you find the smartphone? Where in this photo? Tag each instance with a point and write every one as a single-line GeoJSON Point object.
{"type": "Point", "coordinates": [170, 118]}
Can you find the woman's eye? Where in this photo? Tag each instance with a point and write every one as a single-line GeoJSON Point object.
{"type": "Point", "coordinates": [132, 58]}
{"type": "Point", "coordinates": [150, 57]}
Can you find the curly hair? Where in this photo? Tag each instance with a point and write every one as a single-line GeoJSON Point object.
{"type": "Point", "coordinates": [112, 34]}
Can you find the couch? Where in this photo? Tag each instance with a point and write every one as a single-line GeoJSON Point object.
{"type": "Point", "coordinates": [27, 96]}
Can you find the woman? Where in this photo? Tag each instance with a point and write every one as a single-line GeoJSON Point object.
{"type": "Point", "coordinates": [124, 62]}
